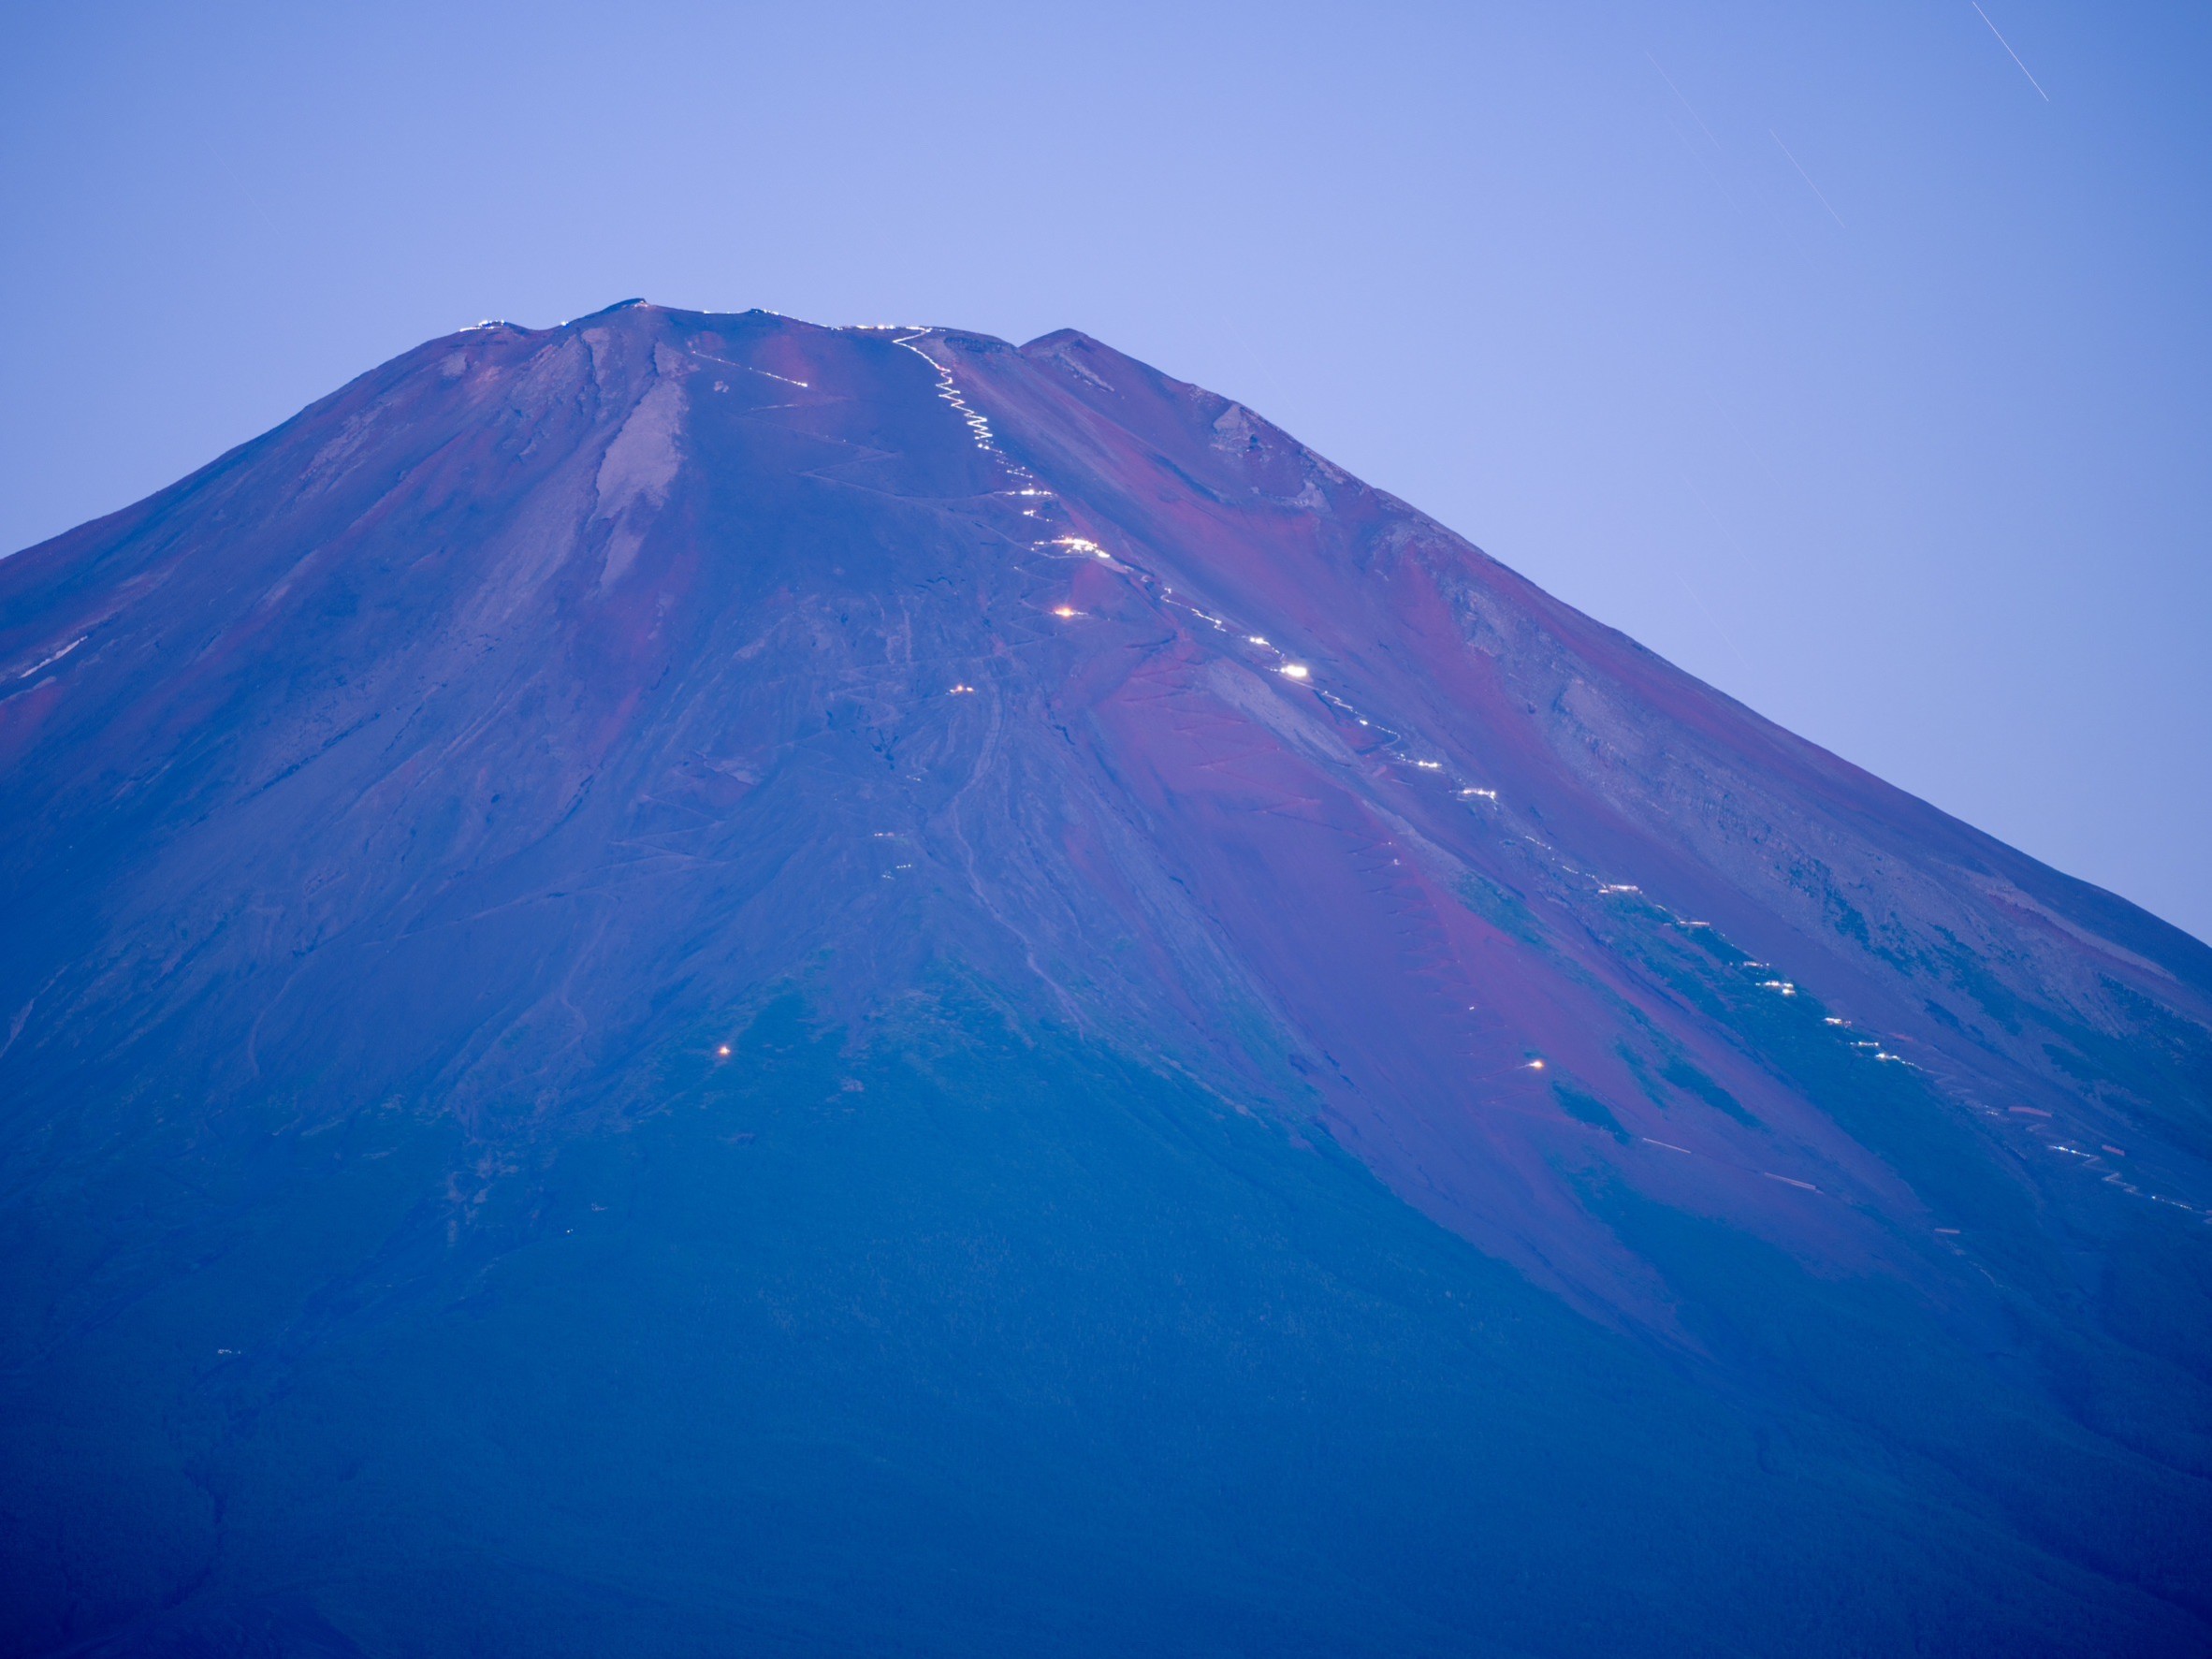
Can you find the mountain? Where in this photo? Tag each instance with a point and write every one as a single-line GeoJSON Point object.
{"type": "Point", "coordinates": [697, 984]}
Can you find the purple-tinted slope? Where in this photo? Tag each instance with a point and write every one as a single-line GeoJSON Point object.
{"type": "Point", "coordinates": [543, 702]}
{"type": "Point", "coordinates": [1456, 725]}
{"type": "Point", "coordinates": [361, 693]}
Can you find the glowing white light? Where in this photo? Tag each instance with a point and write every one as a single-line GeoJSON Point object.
{"type": "Point", "coordinates": [1254, 639]}
{"type": "Point", "coordinates": [1063, 610]}
{"type": "Point", "coordinates": [1295, 670]}
{"type": "Point", "coordinates": [1430, 765]}
{"type": "Point", "coordinates": [48, 662]}
{"type": "Point", "coordinates": [1535, 1065]}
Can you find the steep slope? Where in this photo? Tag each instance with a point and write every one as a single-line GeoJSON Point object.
{"type": "Point", "coordinates": [659, 968]}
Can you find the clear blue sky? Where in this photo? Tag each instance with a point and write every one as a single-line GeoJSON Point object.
{"type": "Point", "coordinates": [1835, 352]}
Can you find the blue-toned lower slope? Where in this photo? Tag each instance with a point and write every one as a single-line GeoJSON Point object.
{"type": "Point", "coordinates": [946, 1340]}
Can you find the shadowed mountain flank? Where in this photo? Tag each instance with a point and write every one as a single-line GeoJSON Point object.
{"type": "Point", "coordinates": [697, 983]}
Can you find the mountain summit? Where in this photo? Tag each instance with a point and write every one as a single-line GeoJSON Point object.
{"type": "Point", "coordinates": [692, 983]}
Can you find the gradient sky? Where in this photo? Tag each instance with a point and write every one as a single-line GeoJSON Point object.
{"type": "Point", "coordinates": [1837, 353]}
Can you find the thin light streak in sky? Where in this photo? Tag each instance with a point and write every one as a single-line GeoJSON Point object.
{"type": "Point", "coordinates": [1698, 599]}
{"type": "Point", "coordinates": [1717, 628]}
{"type": "Point", "coordinates": [1686, 104]}
{"type": "Point", "coordinates": [2009, 52]}
{"type": "Point", "coordinates": [1807, 177]}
